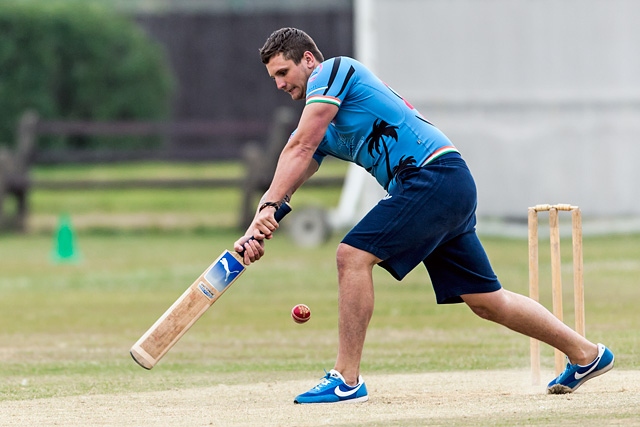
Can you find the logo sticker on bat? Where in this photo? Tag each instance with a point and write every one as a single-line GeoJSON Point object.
{"type": "Point", "coordinates": [224, 271]}
{"type": "Point", "coordinates": [203, 288]}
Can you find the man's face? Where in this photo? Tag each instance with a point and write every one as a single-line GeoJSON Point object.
{"type": "Point", "coordinates": [290, 77]}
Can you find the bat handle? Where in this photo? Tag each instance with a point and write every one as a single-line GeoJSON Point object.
{"type": "Point", "coordinates": [282, 211]}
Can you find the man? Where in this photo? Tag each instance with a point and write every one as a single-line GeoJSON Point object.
{"type": "Point", "coordinates": [428, 215]}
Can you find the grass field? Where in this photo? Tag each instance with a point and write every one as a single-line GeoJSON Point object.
{"type": "Point", "coordinates": [154, 209]}
{"type": "Point", "coordinates": [65, 329]}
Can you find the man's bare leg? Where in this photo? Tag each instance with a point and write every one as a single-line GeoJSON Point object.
{"type": "Point", "coordinates": [355, 306]}
{"type": "Point", "coordinates": [524, 315]}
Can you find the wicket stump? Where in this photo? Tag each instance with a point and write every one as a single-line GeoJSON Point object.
{"type": "Point", "coordinates": [556, 275]}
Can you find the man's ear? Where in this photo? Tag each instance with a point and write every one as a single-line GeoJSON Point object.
{"type": "Point", "coordinates": [309, 59]}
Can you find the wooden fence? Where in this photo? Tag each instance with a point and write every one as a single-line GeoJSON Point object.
{"type": "Point", "coordinates": [262, 147]}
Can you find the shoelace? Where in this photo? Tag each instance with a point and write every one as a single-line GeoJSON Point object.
{"type": "Point", "coordinates": [325, 381]}
{"type": "Point", "coordinates": [322, 383]}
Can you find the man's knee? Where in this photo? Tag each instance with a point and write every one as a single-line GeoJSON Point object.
{"type": "Point", "coordinates": [349, 257]}
{"type": "Point", "coordinates": [486, 305]}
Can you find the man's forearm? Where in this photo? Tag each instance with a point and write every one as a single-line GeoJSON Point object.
{"type": "Point", "coordinates": [294, 168]}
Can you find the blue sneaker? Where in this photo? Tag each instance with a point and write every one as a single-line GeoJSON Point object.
{"type": "Point", "coordinates": [333, 389]}
{"type": "Point", "coordinates": [575, 375]}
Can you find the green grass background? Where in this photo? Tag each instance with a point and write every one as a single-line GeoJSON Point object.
{"type": "Point", "coordinates": [66, 328]}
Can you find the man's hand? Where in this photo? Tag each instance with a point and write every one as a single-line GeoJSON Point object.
{"type": "Point", "coordinates": [251, 245]}
{"type": "Point", "coordinates": [250, 249]}
{"type": "Point", "coordinates": [264, 224]}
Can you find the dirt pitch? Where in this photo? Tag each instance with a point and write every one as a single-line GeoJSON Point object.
{"type": "Point", "coordinates": [477, 398]}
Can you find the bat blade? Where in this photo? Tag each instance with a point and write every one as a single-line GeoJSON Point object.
{"type": "Point", "coordinates": [190, 306]}
{"type": "Point", "coordinates": [187, 309]}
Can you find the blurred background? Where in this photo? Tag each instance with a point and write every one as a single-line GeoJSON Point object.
{"type": "Point", "coordinates": [542, 97]}
{"type": "Point", "coordinates": [136, 137]}
{"type": "Point", "coordinates": [141, 96]}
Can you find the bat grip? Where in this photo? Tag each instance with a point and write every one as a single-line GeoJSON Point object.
{"type": "Point", "coordinates": [282, 211]}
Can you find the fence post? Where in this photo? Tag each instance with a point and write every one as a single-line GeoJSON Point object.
{"type": "Point", "coordinates": [260, 164]}
{"type": "Point", "coordinates": [14, 172]}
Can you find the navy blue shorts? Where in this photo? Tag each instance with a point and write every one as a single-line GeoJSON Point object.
{"type": "Point", "coordinates": [429, 217]}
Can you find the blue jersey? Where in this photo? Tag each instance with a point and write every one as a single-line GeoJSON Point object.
{"type": "Point", "coordinates": [374, 127]}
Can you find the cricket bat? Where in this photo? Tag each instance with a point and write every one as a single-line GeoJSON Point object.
{"type": "Point", "coordinates": [192, 304]}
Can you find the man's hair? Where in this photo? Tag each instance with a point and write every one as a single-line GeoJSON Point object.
{"type": "Point", "coordinates": [292, 43]}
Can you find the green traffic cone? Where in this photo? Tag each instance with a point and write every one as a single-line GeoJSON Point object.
{"type": "Point", "coordinates": [65, 247]}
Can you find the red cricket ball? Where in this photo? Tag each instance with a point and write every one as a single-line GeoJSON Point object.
{"type": "Point", "coordinates": [300, 313]}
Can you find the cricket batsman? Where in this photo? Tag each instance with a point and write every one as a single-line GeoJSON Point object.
{"type": "Point", "coordinates": [428, 216]}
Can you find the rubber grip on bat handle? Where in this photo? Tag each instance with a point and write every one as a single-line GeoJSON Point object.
{"type": "Point", "coordinates": [282, 211]}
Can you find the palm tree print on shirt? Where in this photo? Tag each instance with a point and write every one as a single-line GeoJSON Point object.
{"type": "Point", "coordinates": [403, 165]}
{"type": "Point", "coordinates": [376, 137]}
